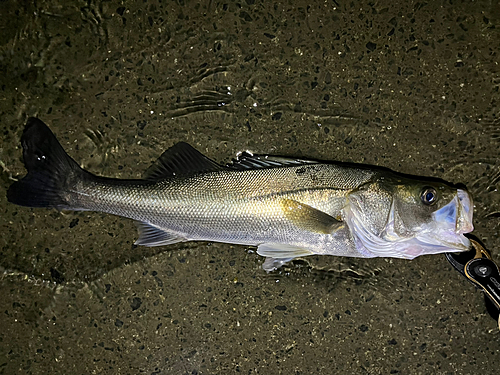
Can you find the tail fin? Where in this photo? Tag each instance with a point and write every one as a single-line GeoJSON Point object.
{"type": "Point", "coordinates": [51, 171]}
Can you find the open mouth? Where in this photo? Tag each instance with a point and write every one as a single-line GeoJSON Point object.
{"type": "Point", "coordinates": [456, 215]}
{"type": "Point", "coordinates": [452, 222]}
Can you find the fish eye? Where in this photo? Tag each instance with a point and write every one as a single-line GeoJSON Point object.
{"type": "Point", "coordinates": [429, 195]}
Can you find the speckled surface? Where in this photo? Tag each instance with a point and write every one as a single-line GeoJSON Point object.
{"type": "Point", "coordinates": [412, 87]}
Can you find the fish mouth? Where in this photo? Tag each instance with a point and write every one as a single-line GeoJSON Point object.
{"type": "Point", "coordinates": [457, 213]}
{"type": "Point", "coordinates": [449, 224]}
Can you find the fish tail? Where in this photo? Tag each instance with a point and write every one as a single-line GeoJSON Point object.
{"type": "Point", "coordinates": [51, 171]}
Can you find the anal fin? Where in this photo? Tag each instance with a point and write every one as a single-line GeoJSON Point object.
{"type": "Point", "coordinates": [150, 235]}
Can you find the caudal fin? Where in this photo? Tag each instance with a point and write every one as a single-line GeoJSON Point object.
{"type": "Point", "coordinates": [51, 171]}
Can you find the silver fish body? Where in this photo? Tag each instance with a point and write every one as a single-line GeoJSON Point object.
{"type": "Point", "coordinates": [285, 207]}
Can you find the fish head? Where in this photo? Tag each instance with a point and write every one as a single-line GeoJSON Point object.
{"type": "Point", "coordinates": [404, 218]}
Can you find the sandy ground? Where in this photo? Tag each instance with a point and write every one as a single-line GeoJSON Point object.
{"type": "Point", "coordinates": [412, 87]}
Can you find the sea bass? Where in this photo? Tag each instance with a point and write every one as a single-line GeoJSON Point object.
{"type": "Point", "coordinates": [285, 207]}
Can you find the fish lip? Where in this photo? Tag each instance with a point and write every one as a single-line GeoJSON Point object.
{"type": "Point", "coordinates": [440, 240]}
{"type": "Point", "coordinates": [466, 204]}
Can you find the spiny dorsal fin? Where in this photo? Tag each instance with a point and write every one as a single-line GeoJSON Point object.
{"type": "Point", "coordinates": [246, 160]}
{"type": "Point", "coordinates": [181, 160]}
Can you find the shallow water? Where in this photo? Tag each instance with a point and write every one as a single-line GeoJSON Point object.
{"type": "Point", "coordinates": [411, 87]}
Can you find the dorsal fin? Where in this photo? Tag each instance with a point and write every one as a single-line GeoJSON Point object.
{"type": "Point", "coordinates": [247, 160]}
{"type": "Point", "coordinates": [180, 160]}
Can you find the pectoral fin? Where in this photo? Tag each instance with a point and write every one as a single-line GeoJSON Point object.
{"type": "Point", "coordinates": [279, 254]}
{"type": "Point", "coordinates": [309, 218]}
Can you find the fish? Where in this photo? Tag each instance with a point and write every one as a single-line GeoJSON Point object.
{"type": "Point", "coordinates": [285, 207]}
